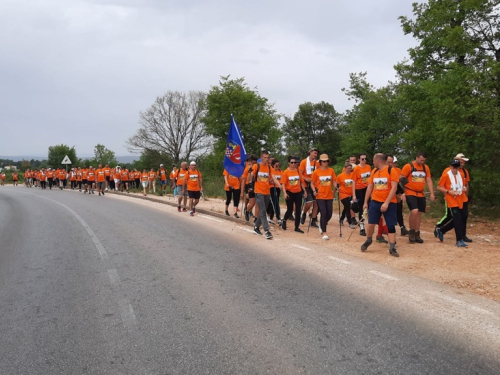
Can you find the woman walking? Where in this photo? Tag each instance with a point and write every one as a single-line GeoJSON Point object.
{"type": "Point", "coordinates": [322, 184]}
{"type": "Point", "coordinates": [293, 185]}
{"type": "Point", "coordinates": [232, 187]}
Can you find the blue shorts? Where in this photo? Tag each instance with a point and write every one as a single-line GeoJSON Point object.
{"type": "Point", "coordinates": [163, 182]}
{"type": "Point", "coordinates": [374, 213]}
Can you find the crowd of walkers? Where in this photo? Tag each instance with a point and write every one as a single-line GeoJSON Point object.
{"type": "Point", "coordinates": [369, 197]}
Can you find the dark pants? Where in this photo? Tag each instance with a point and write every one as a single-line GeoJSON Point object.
{"type": "Point", "coordinates": [346, 212]}
{"type": "Point", "coordinates": [360, 195]}
{"type": "Point", "coordinates": [233, 194]}
{"type": "Point", "coordinates": [293, 198]}
{"type": "Point", "coordinates": [457, 220]}
{"type": "Point", "coordinates": [399, 213]}
{"type": "Point", "coordinates": [325, 207]}
{"type": "Point", "coordinates": [51, 182]}
{"type": "Point", "coordinates": [274, 204]}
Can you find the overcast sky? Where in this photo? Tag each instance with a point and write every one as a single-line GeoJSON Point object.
{"type": "Point", "coordinates": [78, 72]}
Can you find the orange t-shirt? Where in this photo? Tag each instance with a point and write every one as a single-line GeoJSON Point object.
{"type": "Point", "coordinates": [292, 180]}
{"type": "Point", "coordinates": [72, 176]}
{"type": "Point", "coordinates": [91, 175]}
{"type": "Point", "coordinates": [79, 175]}
{"type": "Point", "coordinates": [61, 175]}
{"type": "Point", "coordinates": [465, 180]}
{"type": "Point", "coordinates": [345, 183]}
{"type": "Point", "coordinates": [101, 175]}
{"type": "Point", "coordinates": [152, 176]}
{"type": "Point", "coordinates": [382, 185]}
{"type": "Point", "coordinates": [277, 173]}
{"type": "Point", "coordinates": [50, 174]}
{"type": "Point", "coordinates": [323, 180]}
{"type": "Point", "coordinates": [193, 180]}
{"type": "Point", "coordinates": [144, 177]}
{"type": "Point", "coordinates": [451, 201]}
{"type": "Point", "coordinates": [14, 176]}
{"type": "Point", "coordinates": [361, 176]}
{"type": "Point", "coordinates": [107, 171]}
{"type": "Point", "coordinates": [233, 181]}
{"type": "Point", "coordinates": [303, 167]}
{"type": "Point", "coordinates": [262, 178]}
{"type": "Point", "coordinates": [124, 175]}
{"type": "Point", "coordinates": [162, 173]}
{"type": "Point", "coordinates": [85, 174]}
{"type": "Point", "coordinates": [181, 175]}
{"type": "Point", "coordinates": [416, 184]}
{"type": "Point", "coordinates": [117, 174]}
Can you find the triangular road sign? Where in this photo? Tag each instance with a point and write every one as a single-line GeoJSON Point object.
{"type": "Point", "coordinates": [66, 160]}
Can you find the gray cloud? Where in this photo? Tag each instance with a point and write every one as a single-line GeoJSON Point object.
{"type": "Point", "coordinates": [79, 72]}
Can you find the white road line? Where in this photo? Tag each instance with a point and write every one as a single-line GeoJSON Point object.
{"type": "Point", "coordinates": [339, 260]}
{"type": "Point", "coordinates": [385, 276]}
{"type": "Point", "coordinates": [211, 218]}
{"type": "Point", "coordinates": [113, 277]}
{"type": "Point", "coordinates": [246, 229]}
{"type": "Point", "coordinates": [300, 247]}
{"type": "Point", "coordinates": [127, 313]}
{"type": "Point", "coordinates": [461, 303]}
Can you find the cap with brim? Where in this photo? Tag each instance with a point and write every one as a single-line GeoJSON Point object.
{"type": "Point", "coordinates": [313, 149]}
{"type": "Point", "coordinates": [192, 163]}
{"type": "Point", "coordinates": [161, 165]}
{"type": "Point", "coordinates": [394, 159]}
{"type": "Point", "coordinates": [455, 163]}
{"type": "Point", "coordinates": [324, 157]}
{"type": "Point", "coordinates": [461, 156]}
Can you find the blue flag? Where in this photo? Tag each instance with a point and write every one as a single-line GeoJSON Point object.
{"type": "Point", "coordinates": [234, 160]}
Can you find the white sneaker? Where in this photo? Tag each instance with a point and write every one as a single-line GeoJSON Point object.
{"type": "Point", "coordinates": [325, 237]}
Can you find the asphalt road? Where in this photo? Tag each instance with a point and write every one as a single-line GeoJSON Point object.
{"type": "Point", "coordinates": [114, 285]}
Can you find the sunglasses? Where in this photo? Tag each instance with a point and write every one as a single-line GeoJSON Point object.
{"type": "Point", "coordinates": [362, 159]}
{"type": "Point", "coordinates": [293, 162]}
{"type": "Point", "coordinates": [323, 161]}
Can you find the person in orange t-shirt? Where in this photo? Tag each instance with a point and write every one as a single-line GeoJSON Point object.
{"type": "Point", "coordinates": [15, 177]}
{"type": "Point", "coordinates": [247, 187]}
{"type": "Point", "coordinates": [263, 174]}
{"type": "Point", "coordinates": [117, 177]}
{"type": "Point", "coordinates": [72, 178]}
{"type": "Point", "coordinates": [454, 188]}
{"type": "Point", "coordinates": [232, 186]}
{"type": "Point", "coordinates": [306, 169]}
{"type": "Point", "coordinates": [182, 193]}
{"type": "Point", "coordinates": [2, 178]}
{"type": "Point", "coordinates": [393, 162]}
{"type": "Point", "coordinates": [124, 176]}
{"type": "Point", "coordinates": [101, 179]}
{"type": "Point", "coordinates": [152, 180]}
{"type": "Point", "coordinates": [28, 178]}
{"type": "Point", "coordinates": [193, 183]}
{"type": "Point", "coordinates": [360, 175]}
{"type": "Point", "coordinates": [292, 184]}
{"type": "Point", "coordinates": [107, 174]}
{"type": "Point", "coordinates": [345, 182]}
{"type": "Point", "coordinates": [382, 187]}
{"type": "Point", "coordinates": [414, 176]}
{"type": "Point", "coordinates": [162, 176]}
{"type": "Point", "coordinates": [274, 208]}
{"type": "Point", "coordinates": [62, 176]}
{"type": "Point", "coordinates": [144, 181]}
{"type": "Point", "coordinates": [172, 179]}
{"type": "Point", "coordinates": [91, 176]}
{"type": "Point", "coordinates": [79, 177]}
{"type": "Point", "coordinates": [323, 184]}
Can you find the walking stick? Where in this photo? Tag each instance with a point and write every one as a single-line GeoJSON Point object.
{"type": "Point", "coordinates": [340, 226]}
{"type": "Point", "coordinates": [362, 220]}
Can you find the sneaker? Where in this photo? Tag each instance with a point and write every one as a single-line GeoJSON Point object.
{"type": "Point", "coordinates": [270, 221]}
{"type": "Point", "coordinates": [303, 218]}
{"type": "Point", "coordinates": [440, 234]}
{"type": "Point", "coordinates": [365, 245]}
{"type": "Point", "coordinates": [184, 209]}
{"type": "Point", "coordinates": [283, 225]}
{"type": "Point", "coordinates": [191, 213]}
{"type": "Point", "coordinates": [280, 222]}
{"type": "Point", "coordinates": [362, 232]}
{"type": "Point", "coordinates": [227, 213]}
{"type": "Point", "coordinates": [179, 209]}
{"type": "Point", "coordinates": [461, 243]}
{"type": "Point", "coordinates": [268, 235]}
{"type": "Point", "coordinates": [314, 224]}
{"type": "Point", "coordinates": [236, 216]}
{"type": "Point", "coordinates": [298, 230]}
{"type": "Point", "coordinates": [247, 215]}
{"type": "Point", "coordinates": [404, 231]}
{"type": "Point", "coordinates": [257, 231]}
{"type": "Point", "coordinates": [466, 239]}
{"type": "Point", "coordinates": [325, 237]}
{"type": "Point", "coordinates": [381, 239]}
{"type": "Point", "coordinates": [394, 253]}
{"type": "Point", "coordinates": [352, 226]}
{"type": "Point", "coordinates": [354, 221]}
{"type": "Point", "coordinates": [103, 193]}
{"type": "Point", "coordinates": [436, 232]}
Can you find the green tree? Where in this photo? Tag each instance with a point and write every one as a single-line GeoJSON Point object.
{"type": "Point", "coordinates": [256, 117]}
{"type": "Point", "coordinates": [57, 154]}
{"type": "Point", "coordinates": [103, 156]}
{"type": "Point", "coordinates": [152, 159]}
{"type": "Point", "coordinates": [313, 125]}
{"type": "Point", "coordinates": [451, 86]}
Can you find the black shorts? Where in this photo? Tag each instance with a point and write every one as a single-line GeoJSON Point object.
{"type": "Point", "coordinates": [84, 182]}
{"type": "Point", "coordinates": [194, 194]}
{"type": "Point", "coordinates": [415, 203]}
{"type": "Point", "coordinates": [251, 193]}
{"type": "Point", "coordinates": [107, 178]}
{"type": "Point", "coordinates": [310, 195]}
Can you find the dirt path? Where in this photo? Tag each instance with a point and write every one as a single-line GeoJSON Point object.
{"type": "Point", "coordinates": [475, 269]}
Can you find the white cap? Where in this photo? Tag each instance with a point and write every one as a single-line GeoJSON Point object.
{"type": "Point", "coordinates": [192, 163]}
{"type": "Point", "coordinates": [161, 165]}
{"type": "Point", "coordinates": [394, 159]}
{"type": "Point", "coordinates": [461, 156]}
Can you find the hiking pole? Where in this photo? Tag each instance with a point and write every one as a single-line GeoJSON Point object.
{"type": "Point", "coordinates": [362, 220]}
{"type": "Point", "coordinates": [340, 224]}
